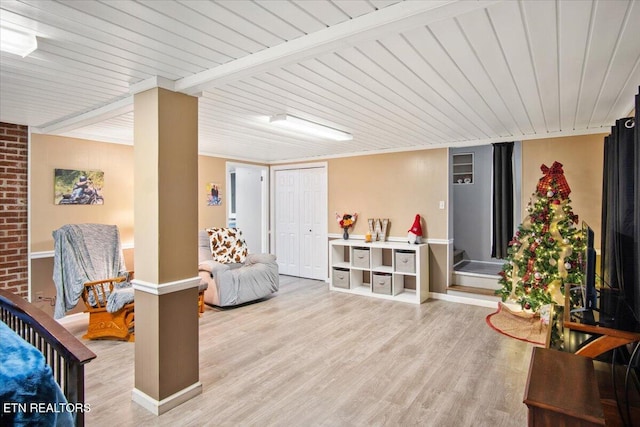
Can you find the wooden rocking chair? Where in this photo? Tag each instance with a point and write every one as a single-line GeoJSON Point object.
{"type": "Point", "coordinates": [104, 324]}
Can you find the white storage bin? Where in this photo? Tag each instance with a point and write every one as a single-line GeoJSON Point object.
{"type": "Point", "coordinates": [340, 278]}
{"type": "Point", "coordinates": [381, 283]}
{"type": "Point", "coordinates": [405, 261]}
{"type": "Point", "coordinates": [360, 257]}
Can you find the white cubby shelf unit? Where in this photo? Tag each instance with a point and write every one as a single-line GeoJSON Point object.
{"type": "Point", "coordinates": [390, 270]}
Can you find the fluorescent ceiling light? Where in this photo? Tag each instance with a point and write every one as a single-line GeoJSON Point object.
{"type": "Point", "coordinates": [310, 128]}
{"type": "Point", "coordinates": [17, 42]}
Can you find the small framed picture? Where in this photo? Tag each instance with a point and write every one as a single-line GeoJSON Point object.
{"type": "Point", "coordinates": [214, 195]}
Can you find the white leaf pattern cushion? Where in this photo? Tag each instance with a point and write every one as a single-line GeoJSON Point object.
{"type": "Point", "coordinates": [227, 245]}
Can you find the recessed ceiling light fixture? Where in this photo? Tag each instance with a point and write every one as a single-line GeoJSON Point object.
{"type": "Point", "coordinates": [17, 42]}
{"type": "Point", "coordinates": [310, 128]}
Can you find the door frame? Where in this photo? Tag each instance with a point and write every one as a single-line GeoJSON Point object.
{"type": "Point", "coordinates": [272, 205]}
{"type": "Point", "coordinates": [264, 211]}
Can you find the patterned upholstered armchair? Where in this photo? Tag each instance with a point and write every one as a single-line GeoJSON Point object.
{"type": "Point", "coordinates": [234, 276]}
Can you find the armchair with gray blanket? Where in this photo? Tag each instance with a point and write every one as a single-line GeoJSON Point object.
{"type": "Point", "coordinates": [233, 275]}
{"type": "Point", "coordinates": [88, 263]}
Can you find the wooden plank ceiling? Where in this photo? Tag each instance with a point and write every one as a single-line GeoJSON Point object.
{"type": "Point", "coordinates": [396, 75]}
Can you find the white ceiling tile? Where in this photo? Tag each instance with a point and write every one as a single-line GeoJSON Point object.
{"type": "Point", "coordinates": [298, 15]}
{"type": "Point", "coordinates": [506, 17]}
{"type": "Point", "coordinates": [190, 30]}
{"type": "Point", "coordinates": [354, 8]}
{"type": "Point", "coordinates": [402, 79]}
{"type": "Point", "coordinates": [574, 36]}
{"type": "Point", "coordinates": [244, 27]}
{"type": "Point", "coordinates": [621, 71]}
{"type": "Point", "coordinates": [541, 29]}
{"type": "Point", "coordinates": [254, 12]}
{"type": "Point", "coordinates": [324, 11]}
{"type": "Point", "coordinates": [498, 94]}
{"type": "Point", "coordinates": [606, 21]}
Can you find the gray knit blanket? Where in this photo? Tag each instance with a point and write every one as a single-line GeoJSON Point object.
{"type": "Point", "coordinates": [84, 253]}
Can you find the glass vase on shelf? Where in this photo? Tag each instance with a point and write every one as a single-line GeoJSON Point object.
{"type": "Point", "coordinates": [345, 235]}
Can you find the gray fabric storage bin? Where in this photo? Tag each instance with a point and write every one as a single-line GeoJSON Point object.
{"type": "Point", "coordinates": [340, 277]}
{"type": "Point", "coordinates": [381, 283]}
{"type": "Point", "coordinates": [360, 257]}
{"type": "Point", "coordinates": [405, 261]}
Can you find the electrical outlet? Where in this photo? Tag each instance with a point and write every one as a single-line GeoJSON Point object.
{"type": "Point", "coordinates": [441, 204]}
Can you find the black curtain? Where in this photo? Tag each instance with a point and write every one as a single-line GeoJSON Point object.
{"type": "Point", "coordinates": [502, 198]}
{"type": "Point", "coordinates": [636, 204]}
{"type": "Point", "coordinates": [620, 222]}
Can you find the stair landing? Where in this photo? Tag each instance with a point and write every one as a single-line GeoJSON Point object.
{"type": "Point", "coordinates": [476, 279]}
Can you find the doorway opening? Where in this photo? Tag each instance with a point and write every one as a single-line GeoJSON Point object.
{"type": "Point", "coordinates": [474, 269]}
{"type": "Point", "coordinates": [248, 207]}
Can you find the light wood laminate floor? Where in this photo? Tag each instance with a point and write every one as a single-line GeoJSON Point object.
{"type": "Point", "coordinates": [311, 357]}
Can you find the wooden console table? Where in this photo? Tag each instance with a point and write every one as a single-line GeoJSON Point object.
{"type": "Point", "coordinates": [562, 390]}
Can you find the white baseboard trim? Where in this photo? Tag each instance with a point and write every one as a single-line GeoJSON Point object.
{"type": "Point", "coordinates": [463, 300]}
{"type": "Point", "coordinates": [165, 288]}
{"type": "Point", "coordinates": [72, 318]}
{"type": "Point", "coordinates": [159, 407]}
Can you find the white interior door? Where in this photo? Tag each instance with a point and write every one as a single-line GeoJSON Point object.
{"type": "Point", "coordinates": [313, 223]}
{"type": "Point", "coordinates": [249, 207]}
{"type": "Point", "coordinates": [286, 221]}
{"type": "Point", "coordinates": [300, 222]}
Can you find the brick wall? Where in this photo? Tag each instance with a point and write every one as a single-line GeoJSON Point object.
{"type": "Point", "coordinates": [13, 208]}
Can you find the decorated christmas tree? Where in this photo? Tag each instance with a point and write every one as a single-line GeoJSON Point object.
{"type": "Point", "coordinates": [546, 251]}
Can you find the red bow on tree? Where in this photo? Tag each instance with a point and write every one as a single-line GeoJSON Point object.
{"type": "Point", "coordinates": [554, 175]}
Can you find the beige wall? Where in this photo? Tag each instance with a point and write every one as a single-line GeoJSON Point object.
{"type": "Point", "coordinates": [582, 159]}
{"type": "Point", "coordinates": [50, 152]}
{"type": "Point", "coordinates": [396, 186]}
{"type": "Point", "coordinates": [439, 268]}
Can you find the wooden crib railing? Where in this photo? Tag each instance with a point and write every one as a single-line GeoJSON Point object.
{"type": "Point", "coordinates": [63, 352]}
